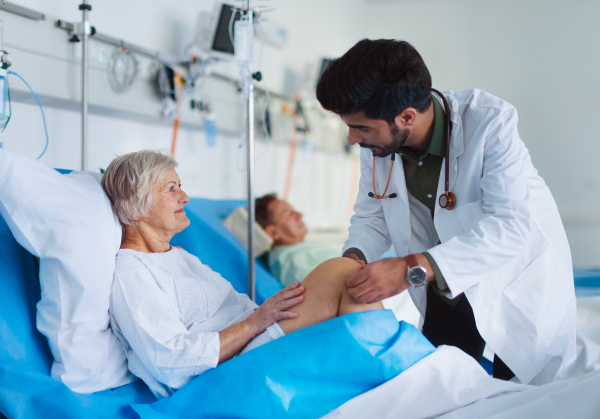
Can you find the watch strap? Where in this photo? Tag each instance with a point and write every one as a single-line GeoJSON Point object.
{"type": "Point", "coordinates": [412, 261]}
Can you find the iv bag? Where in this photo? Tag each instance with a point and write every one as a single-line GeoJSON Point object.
{"type": "Point", "coordinates": [244, 41]}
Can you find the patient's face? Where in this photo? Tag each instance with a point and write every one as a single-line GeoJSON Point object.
{"type": "Point", "coordinates": [288, 227]}
{"type": "Point", "coordinates": [168, 216]}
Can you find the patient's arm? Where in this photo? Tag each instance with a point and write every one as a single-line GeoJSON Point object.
{"type": "Point", "coordinates": [326, 295]}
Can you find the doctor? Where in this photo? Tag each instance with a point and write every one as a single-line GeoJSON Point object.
{"type": "Point", "coordinates": [447, 181]}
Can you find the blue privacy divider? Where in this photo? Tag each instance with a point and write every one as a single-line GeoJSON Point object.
{"type": "Point", "coordinates": [305, 374]}
{"type": "Point", "coordinates": [215, 246]}
{"type": "Point", "coordinates": [26, 388]}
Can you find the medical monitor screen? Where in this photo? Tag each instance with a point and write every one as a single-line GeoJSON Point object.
{"type": "Point", "coordinates": [222, 41]}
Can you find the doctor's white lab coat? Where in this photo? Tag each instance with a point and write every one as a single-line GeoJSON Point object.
{"type": "Point", "coordinates": [503, 245]}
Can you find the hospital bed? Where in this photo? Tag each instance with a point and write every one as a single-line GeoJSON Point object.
{"type": "Point", "coordinates": [28, 391]}
{"type": "Point", "coordinates": [461, 387]}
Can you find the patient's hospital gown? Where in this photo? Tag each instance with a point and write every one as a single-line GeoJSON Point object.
{"type": "Point", "coordinates": [291, 263]}
{"type": "Point", "coordinates": [167, 309]}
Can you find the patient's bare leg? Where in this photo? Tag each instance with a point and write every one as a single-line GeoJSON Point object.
{"type": "Point", "coordinates": [326, 295]}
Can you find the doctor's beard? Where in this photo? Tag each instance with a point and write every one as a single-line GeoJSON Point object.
{"type": "Point", "coordinates": [399, 137]}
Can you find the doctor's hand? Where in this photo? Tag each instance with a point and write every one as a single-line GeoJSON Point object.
{"type": "Point", "coordinates": [273, 309]}
{"type": "Point", "coordinates": [355, 257]}
{"type": "Point", "coordinates": [378, 280]}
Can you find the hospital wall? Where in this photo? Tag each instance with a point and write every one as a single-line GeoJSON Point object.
{"type": "Point", "coordinates": [542, 56]}
{"type": "Point", "coordinates": [321, 179]}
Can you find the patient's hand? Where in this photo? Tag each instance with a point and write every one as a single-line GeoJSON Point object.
{"type": "Point", "coordinates": [273, 309]}
{"type": "Point", "coordinates": [378, 280]}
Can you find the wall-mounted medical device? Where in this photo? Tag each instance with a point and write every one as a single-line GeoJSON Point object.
{"type": "Point", "coordinates": [215, 31]}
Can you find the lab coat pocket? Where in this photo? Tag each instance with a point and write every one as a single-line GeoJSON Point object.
{"type": "Point", "coordinates": [541, 293]}
{"type": "Point", "coordinates": [470, 214]}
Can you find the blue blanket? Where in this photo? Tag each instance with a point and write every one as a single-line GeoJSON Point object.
{"type": "Point", "coordinates": [305, 374]}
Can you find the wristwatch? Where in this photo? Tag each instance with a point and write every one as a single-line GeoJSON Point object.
{"type": "Point", "coordinates": [416, 274]}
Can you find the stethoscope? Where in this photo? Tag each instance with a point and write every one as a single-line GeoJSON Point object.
{"type": "Point", "coordinates": [446, 200]}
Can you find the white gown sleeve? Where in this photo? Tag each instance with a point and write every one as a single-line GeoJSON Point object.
{"type": "Point", "coordinates": [171, 353]}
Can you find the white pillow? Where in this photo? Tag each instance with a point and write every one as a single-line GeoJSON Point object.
{"type": "Point", "coordinates": [67, 221]}
{"type": "Point", "coordinates": [237, 224]}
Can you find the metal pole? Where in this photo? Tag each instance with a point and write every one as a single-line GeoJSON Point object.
{"type": "Point", "coordinates": [250, 164]}
{"type": "Point", "coordinates": [84, 7]}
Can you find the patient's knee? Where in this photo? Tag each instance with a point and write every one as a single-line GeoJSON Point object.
{"type": "Point", "coordinates": [333, 272]}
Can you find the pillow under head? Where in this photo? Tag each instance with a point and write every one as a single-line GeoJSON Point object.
{"type": "Point", "coordinates": [67, 221]}
{"type": "Point", "coordinates": [237, 224]}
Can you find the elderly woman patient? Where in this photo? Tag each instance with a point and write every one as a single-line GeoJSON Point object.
{"type": "Point", "coordinates": [175, 317]}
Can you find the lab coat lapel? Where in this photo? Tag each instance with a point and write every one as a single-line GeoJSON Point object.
{"type": "Point", "coordinates": [457, 144]}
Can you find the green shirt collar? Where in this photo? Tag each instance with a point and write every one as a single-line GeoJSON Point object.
{"type": "Point", "coordinates": [437, 146]}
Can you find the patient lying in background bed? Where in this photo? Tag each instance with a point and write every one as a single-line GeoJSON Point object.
{"type": "Point", "coordinates": [292, 258]}
{"type": "Point", "coordinates": [174, 316]}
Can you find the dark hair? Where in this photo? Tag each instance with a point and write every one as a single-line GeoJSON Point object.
{"type": "Point", "coordinates": [379, 77]}
{"type": "Point", "coordinates": [263, 215]}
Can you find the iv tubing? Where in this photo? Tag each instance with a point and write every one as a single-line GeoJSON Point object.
{"type": "Point", "coordinates": [290, 170]}
{"type": "Point", "coordinates": [41, 109]}
{"type": "Point", "coordinates": [178, 93]}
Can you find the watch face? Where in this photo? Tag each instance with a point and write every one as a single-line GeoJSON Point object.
{"type": "Point", "coordinates": [416, 276]}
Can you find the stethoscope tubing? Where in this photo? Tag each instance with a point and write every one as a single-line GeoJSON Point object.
{"type": "Point", "coordinates": [447, 200]}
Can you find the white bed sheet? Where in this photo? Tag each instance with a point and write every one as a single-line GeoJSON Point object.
{"type": "Point", "coordinates": [451, 385]}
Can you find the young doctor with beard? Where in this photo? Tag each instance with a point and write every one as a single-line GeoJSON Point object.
{"type": "Point", "coordinates": [446, 179]}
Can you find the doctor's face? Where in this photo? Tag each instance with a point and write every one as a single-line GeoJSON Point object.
{"type": "Point", "coordinates": [377, 135]}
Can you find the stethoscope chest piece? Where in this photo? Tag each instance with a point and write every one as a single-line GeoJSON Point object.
{"type": "Point", "coordinates": [447, 200]}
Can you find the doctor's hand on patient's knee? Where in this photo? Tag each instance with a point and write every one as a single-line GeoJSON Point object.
{"type": "Point", "coordinates": [273, 309]}
{"type": "Point", "coordinates": [378, 280]}
{"type": "Point", "coordinates": [355, 257]}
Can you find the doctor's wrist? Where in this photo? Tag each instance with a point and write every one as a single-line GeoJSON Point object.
{"type": "Point", "coordinates": [424, 262]}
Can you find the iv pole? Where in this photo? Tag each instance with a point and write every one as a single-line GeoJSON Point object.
{"type": "Point", "coordinates": [84, 7]}
{"type": "Point", "coordinates": [244, 39]}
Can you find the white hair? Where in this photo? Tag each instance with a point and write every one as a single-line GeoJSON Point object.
{"type": "Point", "coordinates": [130, 180]}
